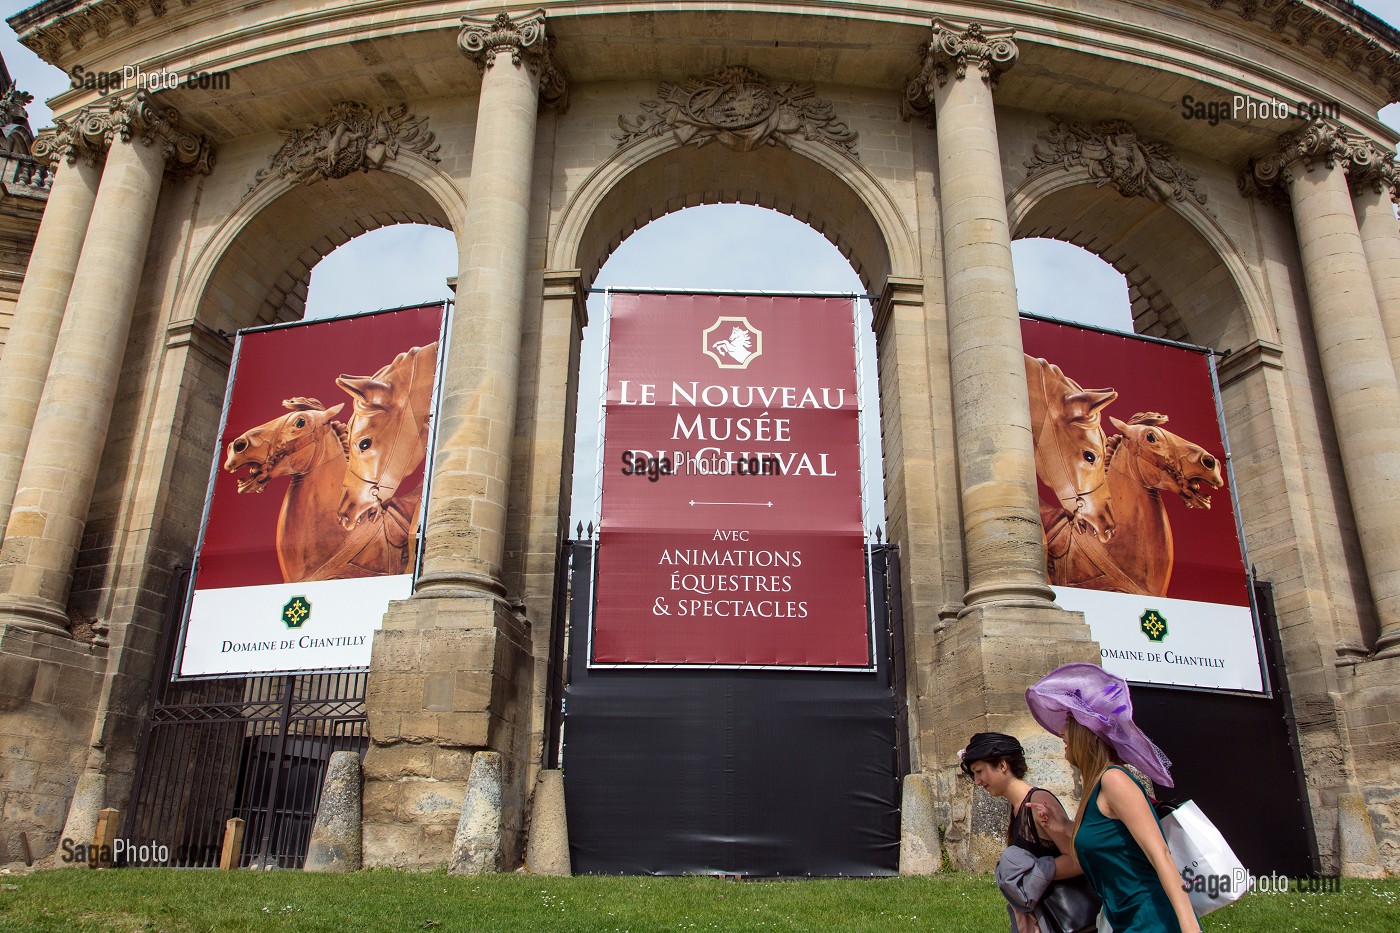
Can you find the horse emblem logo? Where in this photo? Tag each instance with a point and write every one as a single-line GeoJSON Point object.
{"type": "Point", "coordinates": [732, 342]}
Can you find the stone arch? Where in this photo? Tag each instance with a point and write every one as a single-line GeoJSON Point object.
{"type": "Point", "coordinates": [256, 266]}
{"type": "Point", "coordinates": [1200, 291]}
{"type": "Point", "coordinates": [811, 182]}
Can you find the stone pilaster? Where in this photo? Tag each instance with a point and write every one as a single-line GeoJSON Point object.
{"type": "Point", "coordinates": [1360, 376]}
{"type": "Point", "coordinates": [1374, 190]}
{"type": "Point", "coordinates": [1002, 536]}
{"type": "Point", "coordinates": [39, 312]}
{"type": "Point", "coordinates": [451, 671]}
{"type": "Point", "coordinates": [55, 485]}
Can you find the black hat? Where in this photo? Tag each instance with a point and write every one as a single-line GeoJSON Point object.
{"type": "Point", "coordinates": [985, 746]}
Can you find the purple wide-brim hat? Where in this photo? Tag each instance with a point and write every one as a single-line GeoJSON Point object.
{"type": "Point", "coordinates": [1099, 702]}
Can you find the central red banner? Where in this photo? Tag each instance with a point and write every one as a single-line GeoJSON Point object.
{"type": "Point", "coordinates": [731, 529]}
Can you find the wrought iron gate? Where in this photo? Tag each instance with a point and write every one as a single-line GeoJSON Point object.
{"type": "Point", "coordinates": [249, 747]}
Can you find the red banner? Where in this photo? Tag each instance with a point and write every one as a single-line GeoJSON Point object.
{"type": "Point", "coordinates": [731, 529]}
{"type": "Point", "coordinates": [1136, 504]}
{"type": "Point", "coordinates": [313, 511]}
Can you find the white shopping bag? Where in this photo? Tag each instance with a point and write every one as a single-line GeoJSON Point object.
{"type": "Point", "coordinates": [1210, 872]}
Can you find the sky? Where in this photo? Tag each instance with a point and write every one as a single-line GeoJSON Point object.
{"type": "Point", "coordinates": [717, 246]}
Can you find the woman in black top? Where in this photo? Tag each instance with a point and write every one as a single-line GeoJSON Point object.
{"type": "Point", "coordinates": [996, 763]}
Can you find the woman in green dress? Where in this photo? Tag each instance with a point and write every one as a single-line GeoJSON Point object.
{"type": "Point", "coordinates": [1115, 837]}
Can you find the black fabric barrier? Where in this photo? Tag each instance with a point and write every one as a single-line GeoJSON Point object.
{"type": "Point", "coordinates": [736, 772]}
{"type": "Point", "coordinates": [1237, 757]}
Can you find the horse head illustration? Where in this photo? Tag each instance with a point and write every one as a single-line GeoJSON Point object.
{"type": "Point", "coordinates": [1144, 461]}
{"type": "Point", "coordinates": [285, 446]}
{"type": "Point", "coordinates": [309, 447]}
{"type": "Point", "coordinates": [388, 431]}
{"type": "Point", "coordinates": [1070, 445]}
{"type": "Point", "coordinates": [1163, 461]}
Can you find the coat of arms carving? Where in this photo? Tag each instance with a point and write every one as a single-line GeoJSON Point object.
{"type": "Point", "coordinates": [740, 109]}
{"type": "Point", "coordinates": [1115, 154]}
{"type": "Point", "coordinates": [353, 138]}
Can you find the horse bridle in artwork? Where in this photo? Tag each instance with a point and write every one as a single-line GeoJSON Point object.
{"type": "Point", "coordinates": [1061, 460]}
{"type": "Point", "coordinates": [405, 445]}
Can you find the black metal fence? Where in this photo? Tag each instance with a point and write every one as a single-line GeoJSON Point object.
{"type": "Point", "coordinates": [250, 747]}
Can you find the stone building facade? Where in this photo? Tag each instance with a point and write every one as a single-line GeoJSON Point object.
{"type": "Point", "coordinates": [921, 138]}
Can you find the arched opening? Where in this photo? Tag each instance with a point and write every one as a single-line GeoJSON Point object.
{"type": "Point", "coordinates": [716, 728]}
{"type": "Point", "coordinates": [259, 263]}
{"type": "Point", "coordinates": [1196, 290]}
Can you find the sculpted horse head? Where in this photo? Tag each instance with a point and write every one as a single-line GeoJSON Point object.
{"type": "Point", "coordinates": [1070, 445]}
{"type": "Point", "coordinates": [307, 446]}
{"type": "Point", "coordinates": [284, 446]}
{"type": "Point", "coordinates": [388, 431]}
{"type": "Point", "coordinates": [1166, 462]}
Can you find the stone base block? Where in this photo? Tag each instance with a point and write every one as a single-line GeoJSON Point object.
{"type": "Point", "coordinates": [920, 844]}
{"type": "Point", "coordinates": [49, 688]}
{"type": "Point", "coordinates": [1356, 843]}
{"type": "Point", "coordinates": [89, 798]}
{"type": "Point", "coordinates": [984, 662]}
{"type": "Point", "coordinates": [476, 847]}
{"type": "Point", "coordinates": [548, 850]}
{"type": "Point", "coordinates": [335, 838]}
{"type": "Point", "coordinates": [449, 678]}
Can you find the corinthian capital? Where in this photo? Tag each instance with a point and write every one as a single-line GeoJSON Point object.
{"type": "Point", "coordinates": [1320, 142]}
{"type": "Point", "coordinates": [482, 39]}
{"type": "Point", "coordinates": [88, 135]}
{"type": "Point", "coordinates": [1374, 167]}
{"type": "Point", "coordinates": [185, 152]}
{"type": "Point", "coordinates": [991, 51]}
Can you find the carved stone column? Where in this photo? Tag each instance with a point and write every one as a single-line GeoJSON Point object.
{"type": "Point", "coordinates": [70, 427]}
{"type": "Point", "coordinates": [451, 670]}
{"type": "Point", "coordinates": [1375, 189]}
{"type": "Point", "coordinates": [465, 534]}
{"type": "Point", "coordinates": [1010, 632]}
{"type": "Point", "coordinates": [1002, 536]}
{"type": "Point", "coordinates": [47, 281]}
{"type": "Point", "coordinates": [1357, 368]}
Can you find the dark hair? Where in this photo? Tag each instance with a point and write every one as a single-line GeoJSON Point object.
{"type": "Point", "coordinates": [994, 748]}
{"type": "Point", "coordinates": [1016, 761]}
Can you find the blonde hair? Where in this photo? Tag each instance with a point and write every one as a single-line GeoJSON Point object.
{"type": "Point", "coordinates": [1090, 756]}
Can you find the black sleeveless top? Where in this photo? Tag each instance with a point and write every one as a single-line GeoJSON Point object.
{"type": "Point", "coordinates": [1023, 832]}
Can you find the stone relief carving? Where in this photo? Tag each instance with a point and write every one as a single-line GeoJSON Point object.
{"type": "Point", "coordinates": [13, 102]}
{"type": "Point", "coordinates": [991, 51]}
{"type": "Point", "coordinates": [1324, 142]}
{"type": "Point", "coordinates": [93, 130]}
{"type": "Point", "coordinates": [740, 109]}
{"type": "Point", "coordinates": [528, 44]}
{"type": "Point", "coordinates": [353, 138]}
{"type": "Point", "coordinates": [1116, 155]}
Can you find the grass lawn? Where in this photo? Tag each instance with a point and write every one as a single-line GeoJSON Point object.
{"type": "Point", "coordinates": [194, 900]}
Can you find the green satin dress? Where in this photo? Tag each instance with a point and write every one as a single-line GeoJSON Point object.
{"type": "Point", "coordinates": [1133, 899]}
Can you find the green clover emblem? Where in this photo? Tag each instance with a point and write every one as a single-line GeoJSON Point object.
{"type": "Point", "coordinates": [296, 612]}
{"type": "Point", "coordinates": [1154, 625]}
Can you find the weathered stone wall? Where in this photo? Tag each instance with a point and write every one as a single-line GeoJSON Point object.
{"type": "Point", "coordinates": [48, 688]}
